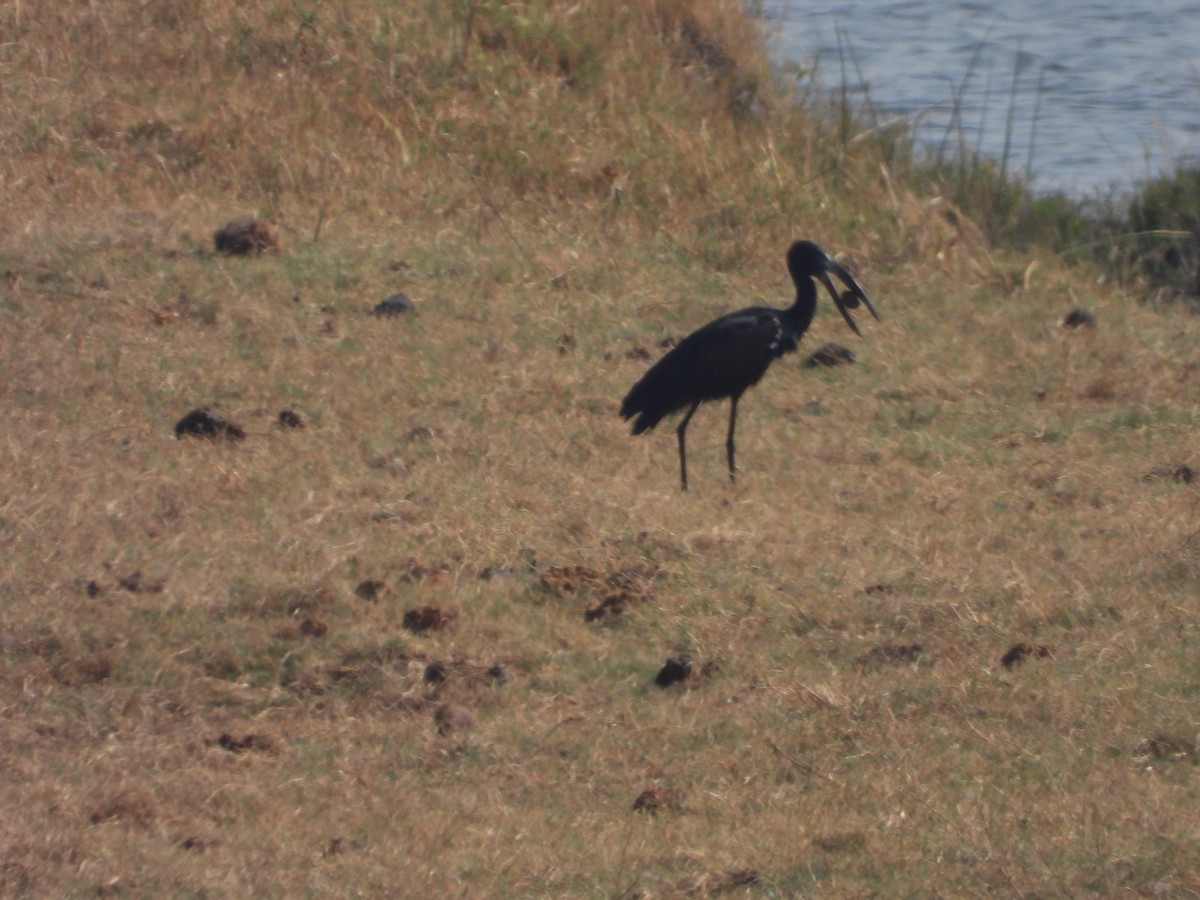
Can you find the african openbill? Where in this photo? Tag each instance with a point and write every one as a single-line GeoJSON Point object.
{"type": "Point", "coordinates": [729, 354]}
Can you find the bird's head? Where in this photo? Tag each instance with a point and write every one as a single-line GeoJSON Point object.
{"type": "Point", "coordinates": [806, 260]}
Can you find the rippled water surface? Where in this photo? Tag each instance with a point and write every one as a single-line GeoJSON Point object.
{"type": "Point", "coordinates": [1106, 94]}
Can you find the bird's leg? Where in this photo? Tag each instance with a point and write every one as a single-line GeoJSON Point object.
{"type": "Point", "coordinates": [679, 432]}
{"type": "Point", "coordinates": [733, 401]}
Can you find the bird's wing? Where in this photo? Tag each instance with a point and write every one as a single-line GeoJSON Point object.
{"type": "Point", "coordinates": [747, 338]}
{"type": "Point", "coordinates": [720, 359]}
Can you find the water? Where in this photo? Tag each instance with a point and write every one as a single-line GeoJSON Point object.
{"type": "Point", "coordinates": [1107, 94]}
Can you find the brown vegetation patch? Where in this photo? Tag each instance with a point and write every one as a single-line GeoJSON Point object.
{"type": "Point", "coordinates": [720, 881]}
{"type": "Point", "coordinates": [632, 581]}
{"type": "Point", "coordinates": [611, 605]}
{"type": "Point", "coordinates": [1100, 389]}
{"type": "Point", "coordinates": [830, 355]}
{"type": "Point", "coordinates": [430, 618]}
{"type": "Point", "coordinates": [241, 237]}
{"type": "Point", "coordinates": [565, 580]}
{"type": "Point", "coordinates": [639, 354]}
{"type": "Point", "coordinates": [127, 805]}
{"type": "Point", "coordinates": [432, 573]}
{"type": "Point", "coordinates": [92, 668]}
{"type": "Point", "coordinates": [1179, 472]}
{"type": "Point", "coordinates": [1018, 653]}
{"type": "Point", "coordinates": [619, 589]}
{"type": "Point", "coordinates": [311, 626]}
{"type": "Point", "coordinates": [841, 842]}
{"type": "Point", "coordinates": [1166, 747]}
{"type": "Point", "coordinates": [363, 669]}
{"type": "Point", "coordinates": [659, 799]}
{"type": "Point", "coordinates": [450, 718]}
{"type": "Point", "coordinates": [890, 655]}
{"type": "Point", "coordinates": [43, 644]}
{"type": "Point", "coordinates": [372, 589]}
{"type": "Point", "coordinates": [137, 583]}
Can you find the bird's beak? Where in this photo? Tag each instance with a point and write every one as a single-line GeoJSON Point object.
{"type": "Point", "coordinates": [853, 295]}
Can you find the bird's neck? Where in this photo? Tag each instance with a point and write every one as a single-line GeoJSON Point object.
{"type": "Point", "coordinates": [800, 314]}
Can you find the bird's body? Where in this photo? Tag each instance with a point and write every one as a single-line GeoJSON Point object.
{"type": "Point", "coordinates": [732, 353]}
{"type": "Point", "coordinates": [721, 359]}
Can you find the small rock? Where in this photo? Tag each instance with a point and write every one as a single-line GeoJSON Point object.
{"type": "Point", "coordinates": [436, 672]}
{"type": "Point", "coordinates": [499, 675]}
{"type": "Point", "coordinates": [830, 355]}
{"type": "Point", "coordinates": [371, 589]}
{"type": "Point", "coordinates": [450, 718]}
{"type": "Point", "coordinates": [290, 419]}
{"type": "Point", "coordinates": [675, 669]}
{"type": "Point", "coordinates": [1017, 653]}
{"type": "Point", "coordinates": [207, 424]}
{"type": "Point", "coordinates": [242, 237]}
{"type": "Point", "coordinates": [1079, 317]}
{"type": "Point", "coordinates": [394, 305]}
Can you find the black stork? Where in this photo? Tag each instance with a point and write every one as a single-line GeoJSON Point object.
{"type": "Point", "coordinates": [729, 354]}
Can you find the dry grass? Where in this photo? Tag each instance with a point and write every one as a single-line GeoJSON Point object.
{"type": "Point", "coordinates": [207, 681]}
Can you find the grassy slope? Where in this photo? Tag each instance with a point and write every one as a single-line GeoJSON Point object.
{"type": "Point", "coordinates": [556, 190]}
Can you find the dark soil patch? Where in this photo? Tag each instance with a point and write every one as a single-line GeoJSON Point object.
{"type": "Point", "coordinates": [395, 305]}
{"type": "Point", "coordinates": [1018, 653]}
{"type": "Point", "coordinates": [136, 583]}
{"type": "Point", "coordinates": [430, 618]}
{"type": "Point", "coordinates": [250, 743]}
{"type": "Point", "coordinates": [371, 589]}
{"type": "Point", "coordinates": [290, 419]}
{"type": "Point", "coordinates": [1079, 318]}
{"type": "Point", "coordinates": [313, 627]}
{"type": "Point", "coordinates": [241, 237]}
{"type": "Point", "coordinates": [205, 423]}
{"type": "Point", "coordinates": [674, 670]}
